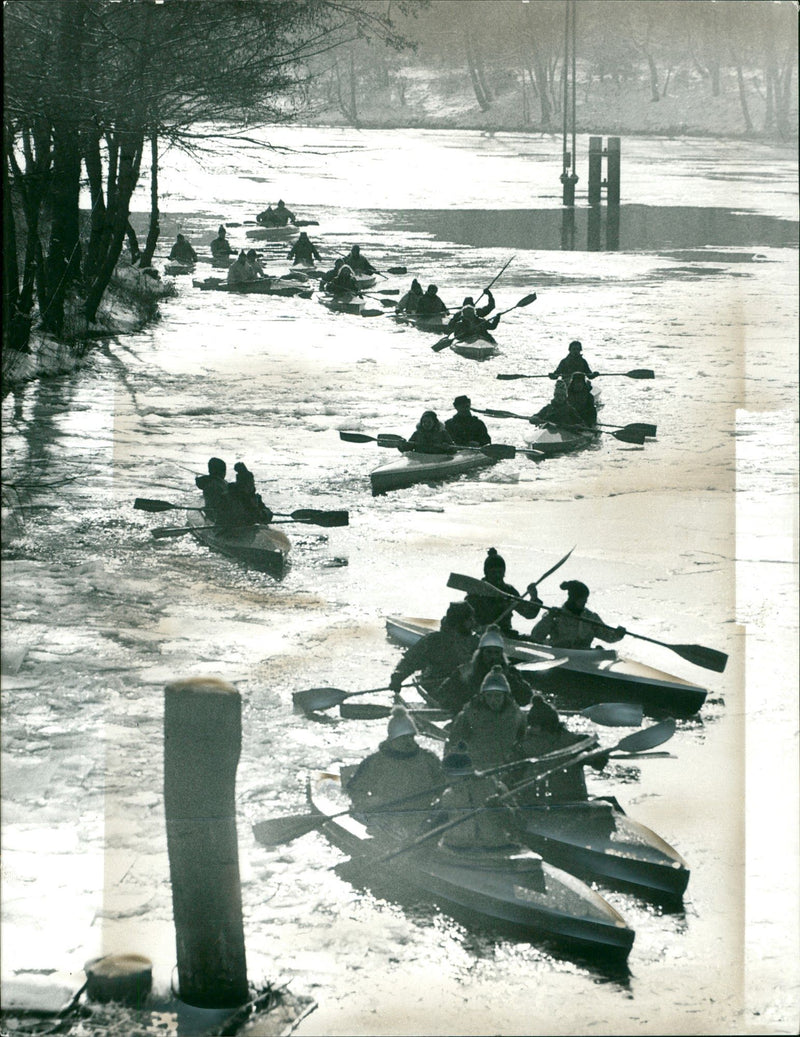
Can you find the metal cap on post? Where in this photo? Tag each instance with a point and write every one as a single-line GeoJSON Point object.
{"type": "Point", "coordinates": [202, 743]}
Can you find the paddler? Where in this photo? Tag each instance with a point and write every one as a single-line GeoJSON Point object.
{"type": "Point", "coordinates": [303, 250]}
{"type": "Point", "coordinates": [245, 489]}
{"type": "Point", "coordinates": [282, 215]}
{"type": "Point", "coordinates": [491, 723]}
{"type": "Point", "coordinates": [224, 508]}
{"type": "Point", "coordinates": [429, 437]}
{"type": "Point", "coordinates": [254, 266]}
{"type": "Point", "coordinates": [581, 398]}
{"type": "Point", "coordinates": [545, 732]}
{"type": "Point", "coordinates": [360, 264]}
{"type": "Point", "coordinates": [573, 362]}
{"type": "Point", "coordinates": [430, 305]}
{"type": "Point", "coordinates": [220, 246]}
{"type": "Point", "coordinates": [240, 271]}
{"type": "Point", "coordinates": [464, 428]}
{"type": "Point", "coordinates": [488, 824]}
{"type": "Point", "coordinates": [436, 655]}
{"type": "Point", "coordinates": [494, 610]}
{"type": "Point", "coordinates": [565, 627]}
{"type": "Point", "coordinates": [399, 769]}
{"type": "Point", "coordinates": [343, 282]}
{"type": "Point", "coordinates": [466, 680]}
{"type": "Point", "coordinates": [469, 321]}
{"type": "Point", "coordinates": [410, 301]}
{"type": "Point", "coordinates": [182, 251]}
{"type": "Point", "coordinates": [558, 411]}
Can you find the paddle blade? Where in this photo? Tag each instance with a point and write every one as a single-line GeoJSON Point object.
{"type": "Point", "coordinates": [144, 504]}
{"type": "Point", "coordinates": [526, 301]}
{"type": "Point", "coordinates": [328, 519]}
{"type": "Point", "coordinates": [626, 436]}
{"type": "Point", "coordinates": [390, 291]}
{"type": "Point", "coordinates": [356, 437]}
{"type": "Point", "coordinates": [173, 531]}
{"type": "Point", "coordinates": [443, 343]}
{"type": "Point", "coordinates": [641, 372]}
{"type": "Point", "coordinates": [513, 377]}
{"type": "Point", "coordinates": [641, 428]}
{"type": "Point", "coordinates": [317, 698]}
{"type": "Point", "coordinates": [469, 585]}
{"type": "Point", "coordinates": [501, 414]}
{"type": "Point", "coordinates": [364, 711]}
{"type": "Point", "coordinates": [614, 714]}
{"type": "Point", "coordinates": [708, 658]}
{"type": "Point", "coordinates": [499, 451]}
{"type": "Point", "coordinates": [396, 270]}
{"type": "Point", "coordinates": [386, 439]}
{"type": "Point", "coordinates": [649, 738]}
{"type": "Point", "coordinates": [277, 830]}
{"type": "Point", "coordinates": [372, 313]}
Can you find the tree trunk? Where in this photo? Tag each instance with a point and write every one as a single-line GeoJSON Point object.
{"type": "Point", "coordinates": [353, 102]}
{"type": "Point", "coordinates": [480, 96]}
{"type": "Point", "coordinates": [748, 122]}
{"type": "Point", "coordinates": [97, 220]}
{"type": "Point", "coordinates": [651, 65]}
{"type": "Point", "coordinates": [154, 229]}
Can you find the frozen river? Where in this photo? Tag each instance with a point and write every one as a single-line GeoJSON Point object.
{"type": "Point", "coordinates": [688, 539]}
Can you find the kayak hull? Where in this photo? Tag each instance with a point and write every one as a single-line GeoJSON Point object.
{"type": "Point", "coordinates": [412, 468]}
{"type": "Point", "coordinates": [553, 441]}
{"type": "Point", "coordinates": [434, 325]}
{"type": "Point", "coordinates": [516, 890]}
{"type": "Point", "coordinates": [271, 233]}
{"type": "Point", "coordinates": [258, 547]}
{"type": "Point", "coordinates": [586, 677]}
{"type": "Point", "coordinates": [263, 286]}
{"type": "Point", "coordinates": [598, 842]}
{"type": "Point", "coordinates": [477, 350]}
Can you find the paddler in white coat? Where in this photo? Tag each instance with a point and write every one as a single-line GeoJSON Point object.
{"type": "Point", "coordinates": [400, 768]}
{"type": "Point", "coordinates": [565, 627]}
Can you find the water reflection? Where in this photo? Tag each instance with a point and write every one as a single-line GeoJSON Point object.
{"type": "Point", "coordinates": [629, 228]}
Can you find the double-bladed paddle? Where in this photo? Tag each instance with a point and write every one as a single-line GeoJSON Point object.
{"type": "Point", "coordinates": [314, 699]}
{"type": "Point", "coordinates": [309, 516]}
{"type": "Point", "coordinates": [638, 428]}
{"type": "Point", "coordinates": [606, 714]}
{"type": "Point", "coordinates": [708, 658]}
{"type": "Point", "coordinates": [641, 372]}
{"type": "Point", "coordinates": [498, 451]}
{"type": "Point", "coordinates": [443, 343]}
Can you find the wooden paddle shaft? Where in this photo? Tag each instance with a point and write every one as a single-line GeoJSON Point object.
{"type": "Point", "coordinates": [202, 743]}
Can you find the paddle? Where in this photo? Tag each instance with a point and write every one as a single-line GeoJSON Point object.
{"type": "Point", "coordinates": [708, 658]}
{"type": "Point", "coordinates": [638, 428]}
{"type": "Point", "coordinates": [276, 830]}
{"type": "Point", "coordinates": [625, 435]}
{"type": "Point", "coordinates": [396, 270]}
{"type": "Point", "coordinates": [549, 572]}
{"type": "Point", "coordinates": [443, 343]}
{"type": "Point", "coordinates": [315, 699]}
{"type": "Point", "coordinates": [311, 516]}
{"type": "Point", "coordinates": [637, 742]}
{"type": "Point", "coordinates": [498, 451]}
{"type": "Point", "coordinates": [606, 714]}
{"type": "Point", "coordinates": [640, 373]}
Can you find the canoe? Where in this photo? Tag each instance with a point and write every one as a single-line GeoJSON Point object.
{"type": "Point", "coordinates": [263, 286]}
{"type": "Point", "coordinates": [411, 468]}
{"type": "Point", "coordinates": [514, 890]}
{"type": "Point", "coordinates": [258, 547]}
{"type": "Point", "coordinates": [553, 441]}
{"type": "Point", "coordinates": [596, 841]}
{"type": "Point", "coordinates": [587, 676]}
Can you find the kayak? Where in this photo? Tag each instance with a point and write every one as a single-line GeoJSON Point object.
{"type": "Point", "coordinates": [477, 350]}
{"type": "Point", "coordinates": [595, 840]}
{"type": "Point", "coordinates": [513, 889]}
{"type": "Point", "coordinates": [433, 324]}
{"type": "Point", "coordinates": [263, 286]}
{"type": "Point", "coordinates": [411, 468]}
{"type": "Point", "coordinates": [365, 280]}
{"type": "Point", "coordinates": [552, 440]}
{"type": "Point", "coordinates": [343, 303]}
{"type": "Point", "coordinates": [178, 268]}
{"type": "Point", "coordinates": [272, 233]}
{"type": "Point", "coordinates": [587, 676]}
{"type": "Point", "coordinates": [258, 547]}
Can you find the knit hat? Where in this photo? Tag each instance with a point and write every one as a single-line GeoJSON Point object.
{"type": "Point", "coordinates": [457, 763]}
{"type": "Point", "coordinates": [462, 401]}
{"type": "Point", "coordinates": [495, 680]}
{"type": "Point", "coordinates": [575, 588]}
{"type": "Point", "coordinates": [459, 612]}
{"type": "Point", "coordinates": [541, 714]}
{"type": "Point", "coordinates": [216, 466]}
{"type": "Point", "coordinates": [492, 638]}
{"type": "Point", "coordinates": [493, 561]}
{"type": "Point", "coordinates": [400, 723]}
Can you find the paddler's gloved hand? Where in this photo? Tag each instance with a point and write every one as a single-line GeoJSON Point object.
{"type": "Point", "coordinates": [599, 762]}
{"type": "Point", "coordinates": [395, 683]}
{"type": "Point", "coordinates": [553, 375]}
{"type": "Point", "coordinates": [267, 514]}
{"type": "Point", "coordinates": [533, 594]}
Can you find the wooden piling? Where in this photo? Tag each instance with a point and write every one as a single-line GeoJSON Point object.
{"type": "Point", "coordinates": [202, 743]}
{"type": "Point", "coordinates": [595, 169]}
{"type": "Point", "coordinates": [613, 164]}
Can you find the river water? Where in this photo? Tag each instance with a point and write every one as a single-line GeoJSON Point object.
{"type": "Point", "coordinates": [690, 539]}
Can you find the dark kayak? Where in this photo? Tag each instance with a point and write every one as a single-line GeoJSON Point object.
{"type": "Point", "coordinates": [258, 547]}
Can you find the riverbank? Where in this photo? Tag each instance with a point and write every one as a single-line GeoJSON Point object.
{"type": "Point", "coordinates": [129, 304]}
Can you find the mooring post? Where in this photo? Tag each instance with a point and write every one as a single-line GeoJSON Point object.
{"type": "Point", "coordinates": [202, 743]}
{"type": "Point", "coordinates": [595, 169]}
{"type": "Point", "coordinates": [614, 153]}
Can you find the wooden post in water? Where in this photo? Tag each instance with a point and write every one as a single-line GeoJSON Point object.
{"type": "Point", "coordinates": [595, 170]}
{"type": "Point", "coordinates": [613, 163]}
{"type": "Point", "coordinates": [202, 743]}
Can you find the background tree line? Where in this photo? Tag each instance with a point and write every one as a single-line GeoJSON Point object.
{"type": "Point", "coordinates": [93, 87]}
{"type": "Point", "coordinates": [497, 46]}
